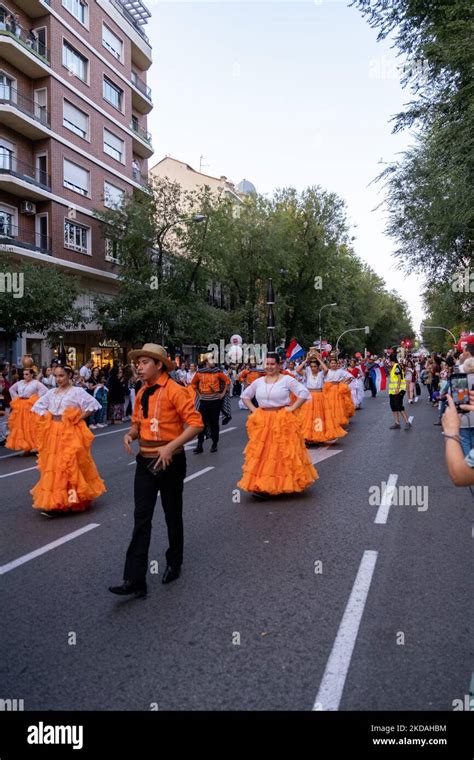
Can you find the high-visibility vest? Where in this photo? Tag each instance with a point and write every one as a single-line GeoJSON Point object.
{"type": "Point", "coordinates": [393, 384]}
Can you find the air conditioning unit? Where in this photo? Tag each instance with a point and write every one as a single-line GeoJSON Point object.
{"type": "Point", "coordinates": [27, 207]}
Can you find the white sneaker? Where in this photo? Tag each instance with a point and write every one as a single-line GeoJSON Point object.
{"type": "Point", "coordinates": [101, 425]}
{"type": "Point", "coordinates": [93, 427]}
{"type": "Point", "coordinates": [416, 400]}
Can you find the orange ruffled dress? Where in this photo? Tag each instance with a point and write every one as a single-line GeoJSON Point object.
{"type": "Point", "coordinates": [318, 423]}
{"type": "Point", "coordinates": [276, 459]}
{"type": "Point", "coordinates": [334, 401]}
{"type": "Point", "coordinates": [348, 403]}
{"type": "Point", "coordinates": [69, 478]}
{"type": "Point", "coordinates": [22, 424]}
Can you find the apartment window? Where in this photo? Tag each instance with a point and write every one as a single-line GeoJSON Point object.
{"type": "Point", "coordinates": [8, 221]}
{"type": "Point", "coordinates": [6, 87]}
{"type": "Point", "coordinates": [78, 9]}
{"type": "Point", "coordinates": [75, 62]}
{"type": "Point", "coordinates": [114, 146]}
{"type": "Point", "coordinates": [76, 237]}
{"type": "Point", "coordinates": [113, 94]}
{"type": "Point", "coordinates": [75, 120]}
{"type": "Point", "coordinates": [76, 178]}
{"type": "Point", "coordinates": [113, 196]}
{"type": "Point", "coordinates": [110, 41]}
{"type": "Point", "coordinates": [112, 250]}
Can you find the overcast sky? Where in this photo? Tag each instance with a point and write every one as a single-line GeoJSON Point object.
{"type": "Point", "coordinates": [282, 93]}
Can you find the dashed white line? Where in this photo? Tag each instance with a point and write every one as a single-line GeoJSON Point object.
{"type": "Point", "coordinates": [18, 472]}
{"type": "Point", "coordinates": [386, 500]}
{"type": "Point", "coordinates": [43, 549]}
{"type": "Point", "coordinates": [334, 678]}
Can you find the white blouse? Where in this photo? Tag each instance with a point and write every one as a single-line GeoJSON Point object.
{"type": "Point", "coordinates": [273, 395]}
{"type": "Point", "coordinates": [335, 375]}
{"type": "Point", "coordinates": [313, 382]}
{"type": "Point", "coordinates": [22, 389]}
{"type": "Point", "coordinates": [57, 402]}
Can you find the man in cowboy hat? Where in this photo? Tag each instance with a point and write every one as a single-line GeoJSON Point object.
{"type": "Point", "coordinates": [162, 408]}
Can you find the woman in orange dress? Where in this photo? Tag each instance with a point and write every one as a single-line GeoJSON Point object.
{"type": "Point", "coordinates": [344, 390]}
{"type": "Point", "coordinates": [22, 424]}
{"type": "Point", "coordinates": [319, 425]}
{"type": "Point", "coordinates": [69, 480]}
{"type": "Point", "coordinates": [333, 397]}
{"type": "Point", "coordinates": [276, 459]}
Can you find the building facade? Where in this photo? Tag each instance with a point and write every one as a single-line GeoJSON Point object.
{"type": "Point", "coordinates": [73, 137]}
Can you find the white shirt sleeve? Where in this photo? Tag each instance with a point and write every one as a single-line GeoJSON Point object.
{"type": "Point", "coordinates": [13, 390]}
{"type": "Point", "coordinates": [298, 388]}
{"type": "Point", "coordinates": [42, 405]}
{"type": "Point", "coordinates": [251, 389]}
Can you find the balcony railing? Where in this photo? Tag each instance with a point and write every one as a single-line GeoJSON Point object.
{"type": "Point", "coordinates": [33, 241]}
{"type": "Point", "coordinates": [130, 19]}
{"type": "Point", "coordinates": [26, 39]}
{"type": "Point", "coordinates": [139, 177]}
{"type": "Point", "coordinates": [9, 164]}
{"type": "Point", "coordinates": [141, 86]}
{"type": "Point", "coordinates": [12, 97]}
{"type": "Point", "coordinates": [141, 132]}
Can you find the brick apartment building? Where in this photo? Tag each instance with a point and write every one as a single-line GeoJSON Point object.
{"type": "Point", "coordinates": [73, 137]}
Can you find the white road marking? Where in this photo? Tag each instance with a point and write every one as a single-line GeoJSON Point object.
{"type": "Point", "coordinates": [111, 432]}
{"type": "Point", "coordinates": [7, 456]}
{"type": "Point", "coordinates": [18, 472]}
{"type": "Point", "coordinates": [189, 446]}
{"type": "Point", "coordinates": [410, 419]}
{"type": "Point", "coordinates": [335, 674]}
{"type": "Point", "coordinates": [43, 549]}
{"type": "Point", "coordinates": [319, 455]}
{"type": "Point", "coordinates": [386, 500]}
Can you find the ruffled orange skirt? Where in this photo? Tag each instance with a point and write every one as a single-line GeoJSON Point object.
{"type": "Point", "coordinates": [317, 420]}
{"type": "Point", "coordinates": [23, 425]}
{"type": "Point", "coordinates": [276, 459]}
{"type": "Point", "coordinates": [334, 402]}
{"type": "Point", "coordinates": [68, 476]}
{"type": "Point", "coordinates": [347, 401]}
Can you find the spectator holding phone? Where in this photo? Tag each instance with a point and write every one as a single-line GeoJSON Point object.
{"type": "Point", "coordinates": [460, 466]}
{"type": "Point", "coordinates": [466, 431]}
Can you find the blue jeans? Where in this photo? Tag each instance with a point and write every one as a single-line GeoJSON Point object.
{"type": "Point", "coordinates": [99, 416]}
{"type": "Point", "coordinates": [467, 439]}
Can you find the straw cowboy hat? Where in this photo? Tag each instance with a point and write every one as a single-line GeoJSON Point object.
{"type": "Point", "coordinates": [154, 351]}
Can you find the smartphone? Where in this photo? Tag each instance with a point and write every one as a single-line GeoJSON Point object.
{"type": "Point", "coordinates": [459, 389]}
{"type": "Point", "coordinates": [155, 468]}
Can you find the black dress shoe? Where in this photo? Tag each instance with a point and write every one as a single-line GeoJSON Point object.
{"type": "Point", "coordinates": [198, 450]}
{"type": "Point", "coordinates": [213, 448]}
{"type": "Point", "coordinates": [129, 587]}
{"type": "Point", "coordinates": [171, 574]}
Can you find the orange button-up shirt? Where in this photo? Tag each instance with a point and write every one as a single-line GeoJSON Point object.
{"type": "Point", "coordinates": [169, 409]}
{"type": "Point", "coordinates": [209, 383]}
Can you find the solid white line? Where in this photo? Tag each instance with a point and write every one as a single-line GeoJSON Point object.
{"type": "Point", "coordinates": [7, 456]}
{"type": "Point", "coordinates": [192, 444]}
{"type": "Point", "coordinates": [18, 472]}
{"type": "Point", "coordinates": [111, 432]}
{"type": "Point", "coordinates": [335, 674]}
{"type": "Point", "coordinates": [198, 473]}
{"type": "Point", "coordinates": [43, 549]}
{"type": "Point", "coordinates": [386, 500]}
{"type": "Point", "coordinates": [319, 455]}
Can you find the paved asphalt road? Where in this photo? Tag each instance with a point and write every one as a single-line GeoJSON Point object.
{"type": "Point", "coordinates": [382, 621]}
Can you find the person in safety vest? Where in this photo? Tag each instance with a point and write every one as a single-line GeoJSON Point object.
{"type": "Point", "coordinates": [396, 391]}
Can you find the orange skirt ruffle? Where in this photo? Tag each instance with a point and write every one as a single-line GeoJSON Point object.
{"type": "Point", "coordinates": [347, 401]}
{"type": "Point", "coordinates": [276, 459]}
{"type": "Point", "coordinates": [68, 476]}
{"type": "Point", "coordinates": [334, 402]}
{"type": "Point", "coordinates": [318, 422]}
{"type": "Point", "coordinates": [23, 425]}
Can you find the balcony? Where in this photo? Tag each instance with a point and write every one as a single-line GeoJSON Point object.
{"type": "Point", "coordinates": [141, 94]}
{"type": "Point", "coordinates": [14, 107]}
{"type": "Point", "coordinates": [142, 179]}
{"type": "Point", "coordinates": [135, 13]}
{"type": "Point", "coordinates": [141, 141]}
{"type": "Point", "coordinates": [34, 8]}
{"type": "Point", "coordinates": [32, 241]}
{"type": "Point", "coordinates": [14, 173]}
{"type": "Point", "coordinates": [24, 51]}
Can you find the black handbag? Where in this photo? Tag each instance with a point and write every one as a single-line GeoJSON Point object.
{"type": "Point", "coordinates": [418, 389]}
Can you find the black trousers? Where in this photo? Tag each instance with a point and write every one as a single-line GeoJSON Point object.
{"type": "Point", "coordinates": [210, 411]}
{"type": "Point", "coordinates": [170, 485]}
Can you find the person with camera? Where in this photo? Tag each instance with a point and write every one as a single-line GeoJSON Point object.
{"type": "Point", "coordinates": [460, 465]}
{"type": "Point", "coordinates": [164, 420]}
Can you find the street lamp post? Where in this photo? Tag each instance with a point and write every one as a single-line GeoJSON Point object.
{"type": "Point", "coordinates": [320, 333]}
{"type": "Point", "coordinates": [436, 327]}
{"type": "Point", "coordinates": [352, 329]}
